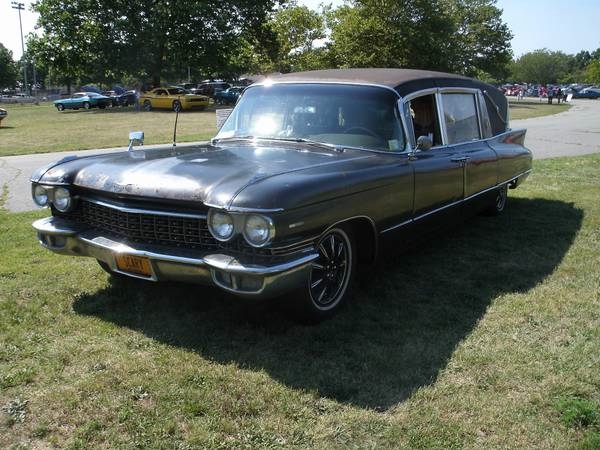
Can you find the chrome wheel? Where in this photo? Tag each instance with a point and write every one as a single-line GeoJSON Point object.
{"type": "Point", "coordinates": [86, 105]}
{"type": "Point", "coordinates": [331, 271]}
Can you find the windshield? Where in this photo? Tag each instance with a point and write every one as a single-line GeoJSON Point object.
{"type": "Point", "coordinates": [337, 114]}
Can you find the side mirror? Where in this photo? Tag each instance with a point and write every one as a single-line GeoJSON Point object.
{"type": "Point", "coordinates": [424, 143]}
{"type": "Point", "coordinates": [135, 137]}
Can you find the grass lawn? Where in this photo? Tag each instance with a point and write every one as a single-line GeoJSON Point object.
{"type": "Point", "coordinates": [41, 129]}
{"type": "Point", "coordinates": [486, 337]}
{"type": "Point", "coordinates": [531, 107]}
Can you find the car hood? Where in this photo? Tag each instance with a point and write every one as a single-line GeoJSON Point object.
{"type": "Point", "coordinates": [214, 175]}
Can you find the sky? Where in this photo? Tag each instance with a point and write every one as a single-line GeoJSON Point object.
{"type": "Point", "coordinates": [558, 25]}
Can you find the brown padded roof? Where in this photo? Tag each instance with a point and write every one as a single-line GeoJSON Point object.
{"type": "Point", "coordinates": [385, 77]}
{"type": "Point", "coordinates": [407, 81]}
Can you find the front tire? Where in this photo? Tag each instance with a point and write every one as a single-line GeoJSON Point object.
{"type": "Point", "coordinates": [147, 105]}
{"type": "Point", "coordinates": [60, 107]}
{"type": "Point", "coordinates": [86, 105]}
{"type": "Point", "coordinates": [330, 277]}
{"type": "Point", "coordinates": [177, 106]}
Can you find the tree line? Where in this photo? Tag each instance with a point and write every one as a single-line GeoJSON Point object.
{"type": "Point", "coordinates": [147, 42]}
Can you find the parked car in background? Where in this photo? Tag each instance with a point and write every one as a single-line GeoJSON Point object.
{"type": "Point", "coordinates": [210, 88]}
{"type": "Point", "coordinates": [175, 98]}
{"type": "Point", "coordinates": [3, 114]}
{"type": "Point", "coordinates": [311, 176]}
{"type": "Point", "coordinates": [121, 99]}
{"type": "Point", "coordinates": [85, 100]}
{"type": "Point", "coordinates": [229, 96]}
{"type": "Point", "coordinates": [592, 93]}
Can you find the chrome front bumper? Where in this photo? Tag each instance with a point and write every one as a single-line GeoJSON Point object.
{"type": "Point", "coordinates": [250, 276]}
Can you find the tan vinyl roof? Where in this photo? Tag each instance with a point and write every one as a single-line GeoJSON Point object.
{"type": "Point", "coordinates": [385, 77]}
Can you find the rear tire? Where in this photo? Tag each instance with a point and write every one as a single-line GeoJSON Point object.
{"type": "Point", "coordinates": [331, 274]}
{"type": "Point", "coordinates": [86, 105]}
{"type": "Point", "coordinates": [499, 203]}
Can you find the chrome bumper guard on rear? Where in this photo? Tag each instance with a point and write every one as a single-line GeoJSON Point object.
{"type": "Point", "coordinates": [242, 275]}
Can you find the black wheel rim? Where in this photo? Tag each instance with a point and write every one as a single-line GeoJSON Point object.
{"type": "Point", "coordinates": [176, 106]}
{"type": "Point", "coordinates": [331, 270]}
{"type": "Point", "coordinates": [501, 199]}
{"type": "Point", "coordinates": [147, 105]}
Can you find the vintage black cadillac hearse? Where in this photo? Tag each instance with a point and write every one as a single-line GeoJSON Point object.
{"type": "Point", "coordinates": [310, 175]}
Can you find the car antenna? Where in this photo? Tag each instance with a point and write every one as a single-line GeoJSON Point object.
{"type": "Point", "coordinates": [176, 117]}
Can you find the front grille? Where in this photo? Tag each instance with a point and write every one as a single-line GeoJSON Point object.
{"type": "Point", "coordinates": [157, 229]}
{"type": "Point", "coordinates": [161, 228]}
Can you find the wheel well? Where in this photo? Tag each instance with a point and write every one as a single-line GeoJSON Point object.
{"type": "Point", "coordinates": [365, 238]}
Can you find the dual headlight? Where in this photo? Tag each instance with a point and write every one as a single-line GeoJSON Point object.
{"type": "Point", "coordinates": [258, 230]}
{"type": "Point", "coordinates": [60, 197]}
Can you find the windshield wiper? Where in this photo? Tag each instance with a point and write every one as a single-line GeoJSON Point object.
{"type": "Point", "coordinates": [337, 148]}
{"type": "Point", "coordinates": [213, 141]}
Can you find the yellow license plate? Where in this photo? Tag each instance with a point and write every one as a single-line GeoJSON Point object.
{"type": "Point", "coordinates": [134, 264]}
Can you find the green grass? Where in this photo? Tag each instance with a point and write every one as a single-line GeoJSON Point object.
{"type": "Point", "coordinates": [41, 129]}
{"type": "Point", "coordinates": [529, 108]}
{"type": "Point", "coordinates": [486, 337]}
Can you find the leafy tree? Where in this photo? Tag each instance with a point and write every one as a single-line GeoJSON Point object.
{"type": "Point", "coordinates": [8, 68]}
{"type": "Point", "coordinates": [541, 66]}
{"type": "Point", "coordinates": [464, 36]}
{"type": "Point", "coordinates": [296, 29]}
{"type": "Point", "coordinates": [148, 39]}
{"type": "Point", "coordinates": [592, 72]}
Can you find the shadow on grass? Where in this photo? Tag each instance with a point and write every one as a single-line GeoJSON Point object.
{"type": "Point", "coordinates": [399, 330]}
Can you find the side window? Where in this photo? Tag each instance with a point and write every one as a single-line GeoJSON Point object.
{"type": "Point", "coordinates": [486, 124]}
{"type": "Point", "coordinates": [460, 115]}
{"type": "Point", "coordinates": [423, 111]}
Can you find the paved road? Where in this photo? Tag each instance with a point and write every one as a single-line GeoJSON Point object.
{"type": "Point", "coordinates": [574, 132]}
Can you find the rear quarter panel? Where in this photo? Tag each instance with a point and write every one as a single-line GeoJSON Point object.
{"type": "Point", "coordinates": [513, 157]}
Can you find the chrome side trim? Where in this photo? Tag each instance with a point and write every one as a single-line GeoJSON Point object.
{"type": "Point", "coordinates": [456, 203]}
{"type": "Point", "coordinates": [245, 210]}
{"type": "Point", "coordinates": [144, 211]}
{"type": "Point", "coordinates": [406, 222]}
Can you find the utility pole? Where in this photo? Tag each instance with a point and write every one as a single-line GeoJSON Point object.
{"type": "Point", "coordinates": [20, 7]}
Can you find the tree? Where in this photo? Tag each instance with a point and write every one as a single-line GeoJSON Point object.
{"type": "Point", "coordinates": [464, 36]}
{"type": "Point", "coordinates": [8, 68]}
{"type": "Point", "coordinates": [541, 66]}
{"type": "Point", "coordinates": [592, 72]}
{"type": "Point", "coordinates": [296, 29]}
{"type": "Point", "coordinates": [149, 39]}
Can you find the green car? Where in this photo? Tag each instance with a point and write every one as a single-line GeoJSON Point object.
{"type": "Point", "coordinates": [85, 100]}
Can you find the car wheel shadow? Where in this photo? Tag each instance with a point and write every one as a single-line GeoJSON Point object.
{"type": "Point", "coordinates": [400, 328]}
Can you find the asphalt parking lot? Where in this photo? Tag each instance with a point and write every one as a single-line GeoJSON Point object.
{"type": "Point", "coordinates": [574, 132]}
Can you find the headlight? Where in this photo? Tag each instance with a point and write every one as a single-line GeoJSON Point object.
{"type": "Point", "coordinates": [62, 199]}
{"type": "Point", "coordinates": [220, 225]}
{"type": "Point", "coordinates": [40, 195]}
{"type": "Point", "coordinates": [258, 230]}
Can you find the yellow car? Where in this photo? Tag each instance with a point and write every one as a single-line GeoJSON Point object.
{"type": "Point", "coordinates": [174, 98]}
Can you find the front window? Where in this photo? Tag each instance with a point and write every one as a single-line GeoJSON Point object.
{"type": "Point", "coordinates": [341, 115]}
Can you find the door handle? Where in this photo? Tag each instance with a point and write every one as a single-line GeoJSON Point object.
{"type": "Point", "coordinates": [460, 159]}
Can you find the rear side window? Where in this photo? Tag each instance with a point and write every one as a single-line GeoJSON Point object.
{"type": "Point", "coordinates": [460, 116]}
